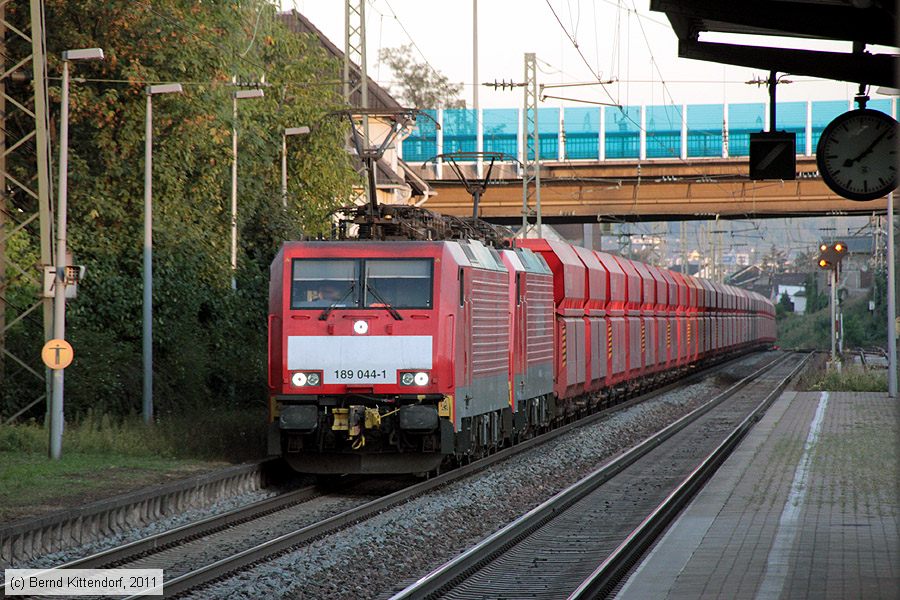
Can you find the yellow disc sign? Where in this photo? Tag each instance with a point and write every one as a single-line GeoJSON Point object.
{"type": "Point", "coordinates": [57, 354]}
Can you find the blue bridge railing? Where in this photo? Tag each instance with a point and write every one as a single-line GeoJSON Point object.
{"type": "Point", "coordinates": [629, 132]}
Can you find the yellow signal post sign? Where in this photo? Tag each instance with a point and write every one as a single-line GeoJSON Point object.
{"type": "Point", "coordinates": [57, 354]}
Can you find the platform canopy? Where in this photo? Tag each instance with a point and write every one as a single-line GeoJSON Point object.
{"type": "Point", "coordinates": [863, 22]}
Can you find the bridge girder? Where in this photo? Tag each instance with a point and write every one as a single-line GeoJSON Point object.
{"type": "Point", "coordinates": [654, 191]}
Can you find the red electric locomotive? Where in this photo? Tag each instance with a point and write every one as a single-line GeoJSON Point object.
{"type": "Point", "coordinates": [390, 356]}
{"type": "Point", "coordinates": [396, 356]}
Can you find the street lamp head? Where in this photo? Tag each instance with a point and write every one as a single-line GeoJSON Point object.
{"type": "Point", "coordinates": [164, 88]}
{"type": "Point", "coordinates": [296, 130]}
{"type": "Point", "coordinates": [83, 54]}
{"type": "Point", "coordinates": [243, 94]}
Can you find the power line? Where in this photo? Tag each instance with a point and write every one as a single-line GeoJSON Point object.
{"type": "Point", "coordinates": [580, 53]}
{"type": "Point", "coordinates": [624, 112]}
{"type": "Point", "coordinates": [652, 20]}
{"type": "Point", "coordinates": [255, 29]}
{"type": "Point", "coordinates": [400, 23]}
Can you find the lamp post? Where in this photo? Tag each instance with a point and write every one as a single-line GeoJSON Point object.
{"type": "Point", "coordinates": [304, 130]}
{"type": "Point", "coordinates": [891, 301]}
{"type": "Point", "coordinates": [235, 96]}
{"type": "Point", "coordinates": [169, 88]}
{"type": "Point", "coordinates": [59, 301]}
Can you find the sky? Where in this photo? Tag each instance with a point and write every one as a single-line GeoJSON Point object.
{"type": "Point", "coordinates": [620, 40]}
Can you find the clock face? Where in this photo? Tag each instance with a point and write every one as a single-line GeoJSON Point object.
{"type": "Point", "coordinates": [857, 154]}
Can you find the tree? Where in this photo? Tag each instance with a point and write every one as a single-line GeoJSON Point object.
{"type": "Point", "coordinates": [784, 304]}
{"type": "Point", "coordinates": [209, 342]}
{"type": "Point", "coordinates": [417, 84]}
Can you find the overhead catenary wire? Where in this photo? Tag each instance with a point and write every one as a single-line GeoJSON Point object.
{"type": "Point", "coordinates": [255, 30]}
{"type": "Point", "coordinates": [622, 110]}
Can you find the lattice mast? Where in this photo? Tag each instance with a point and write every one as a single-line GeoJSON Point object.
{"type": "Point", "coordinates": [531, 163]}
{"type": "Point", "coordinates": [25, 171]}
{"type": "Point", "coordinates": [355, 52]}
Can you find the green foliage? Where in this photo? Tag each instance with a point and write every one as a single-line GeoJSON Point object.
{"type": "Point", "coordinates": [815, 300]}
{"type": "Point", "coordinates": [852, 379]}
{"type": "Point", "coordinates": [417, 83]}
{"type": "Point", "coordinates": [195, 433]}
{"type": "Point", "coordinates": [209, 342]}
{"type": "Point", "coordinates": [784, 305]}
{"type": "Point", "coordinates": [862, 327]}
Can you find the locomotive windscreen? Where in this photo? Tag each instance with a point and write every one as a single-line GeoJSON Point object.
{"type": "Point", "coordinates": [354, 283]}
{"type": "Point", "coordinates": [320, 283]}
{"type": "Point", "coordinates": [402, 283]}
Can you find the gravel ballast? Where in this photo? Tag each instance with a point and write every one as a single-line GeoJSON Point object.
{"type": "Point", "coordinates": [383, 554]}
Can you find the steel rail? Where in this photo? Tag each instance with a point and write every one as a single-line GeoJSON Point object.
{"type": "Point", "coordinates": [483, 552]}
{"type": "Point", "coordinates": [603, 579]}
{"type": "Point", "coordinates": [191, 531]}
{"type": "Point", "coordinates": [337, 522]}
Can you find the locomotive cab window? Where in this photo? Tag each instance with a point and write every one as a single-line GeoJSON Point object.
{"type": "Point", "coordinates": [322, 283]}
{"type": "Point", "coordinates": [399, 283]}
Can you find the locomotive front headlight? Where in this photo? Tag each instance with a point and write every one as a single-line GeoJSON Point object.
{"type": "Point", "coordinates": [407, 378]}
{"type": "Point", "coordinates": [421, 378]}
{"type": "Point", "coordinates": [312, 379]}
{"type": "Point", "coordinates": [298, 379]}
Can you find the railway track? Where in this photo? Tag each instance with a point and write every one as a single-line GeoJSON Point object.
{"type": "Point", "coordinates": [195, 554]}
{"type": "Point", "coordinates": [615, 512]}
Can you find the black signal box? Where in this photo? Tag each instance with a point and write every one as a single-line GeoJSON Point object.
{"type": "Point", "coordinates": [773, 155]}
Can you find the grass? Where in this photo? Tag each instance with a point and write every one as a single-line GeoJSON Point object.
{"type": "Point", "coordinates": [851, 379]}
{"type": "Point", "coordinates": [103, 456]}
{"type": "Point", "coordinates": [30, 484]}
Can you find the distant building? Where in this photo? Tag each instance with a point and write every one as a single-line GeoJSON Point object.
{"type": "Point", "coordinates": [792, 284]}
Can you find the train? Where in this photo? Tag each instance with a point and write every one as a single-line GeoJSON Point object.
{"type": "Point", "coordinates": [388, 357]}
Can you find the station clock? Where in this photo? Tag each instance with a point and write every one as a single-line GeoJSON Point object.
{"type": "Point", "coordinates": [857, 154]}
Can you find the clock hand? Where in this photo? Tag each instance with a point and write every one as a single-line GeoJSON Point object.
{"type": "Point", "coordinates": [849, 162]}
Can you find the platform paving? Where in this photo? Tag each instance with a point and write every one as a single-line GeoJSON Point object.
{"type": "Point", "coordinates": [808, 506]}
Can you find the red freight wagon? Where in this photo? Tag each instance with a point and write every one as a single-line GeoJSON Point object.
{"type": "Point", "coordinates": [596, 330]}
{"type": "Point", "coordinates": [694, 315]}
{"type": "Point", "coordinates": [617, 341]}
{"type": "Point", "coordinates": [672, 335]}
{"type": "Point", "coordinates": [634, 287]}
{"type": "Point", "coordinates": [648, 320]}
{"type": "Point", "coordinates": [681, 318]}
{"type": "Point", "coordinates": [569, 296]}
{"type": "Point", "coordinates": [660, 319]}
{"type": "Point", "coordinates": [709, 317]}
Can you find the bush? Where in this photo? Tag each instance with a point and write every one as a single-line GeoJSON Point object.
{"type": "Point", "coordinates": [231, 434]}
{"type": "Point", "coordinates": [852, 379]}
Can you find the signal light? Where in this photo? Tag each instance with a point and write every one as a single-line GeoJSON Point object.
{"type": "Point", "coordinates": [830, 256]}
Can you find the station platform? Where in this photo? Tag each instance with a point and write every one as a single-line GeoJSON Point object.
{"type": "Point", "coordinates": [808, 506]}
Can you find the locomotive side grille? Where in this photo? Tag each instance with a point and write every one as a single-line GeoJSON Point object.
{"type": "Point", "coordinates": [540, 319]}
{"type": "Point", "coordinates": [490, 323]}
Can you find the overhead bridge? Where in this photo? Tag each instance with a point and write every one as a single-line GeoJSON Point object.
{"type": "Point", "coordinates": [650, 190]}
{"type": "Point", "coordinates": [633, 162]}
